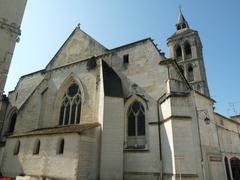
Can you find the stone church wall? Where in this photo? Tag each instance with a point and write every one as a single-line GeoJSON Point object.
{"type": "Point", "coordinates": [79, 157]}
{"type": "Point", "coordinates": [188, 146]}
{"type": "Point", "coordinates": [45, 101]}
{"type": "Point", "coordinates": [143, 68]}
{"type": "Point", "coordinates": [79, 46]}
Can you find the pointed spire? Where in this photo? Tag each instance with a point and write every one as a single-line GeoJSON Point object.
{"type": "Point", "coordinates": [182, 23]}
{"type": "Point", "coordinates": [181, 18]}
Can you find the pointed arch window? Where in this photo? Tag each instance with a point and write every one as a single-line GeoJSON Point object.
{"type": "Point", "coordinates": [71, 106]}
{"type": "Point", "coordinates": [36, 147]}
{"type": "Point", "coordinates": [136, 119]}
{"type": "Point", "coordinates": [190, 73]}
{"type": "Point", "coordinates": [188, 50]}
{"type": "Point", "coordinates": [178, 51]}
{"type": "Point", "coordinates": [12, 123]}
{"type": "Point", "coordinates": [136, 129]}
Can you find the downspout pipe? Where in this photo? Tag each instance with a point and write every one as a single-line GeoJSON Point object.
{"type": "Point", "coordinates": [159, 137]}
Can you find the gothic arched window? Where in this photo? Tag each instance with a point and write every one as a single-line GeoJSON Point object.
{"type": "Point", "coordinates": [71, 106]}
{"type": "Point", "coordinates": [12, 123]}
{"type": "Point", "coordinates": [188, 51]}
{"type": "Point", "coordinates": [136, 126]}
{"type": "Point", "coordinates": [190, 73]}
{"type": "Point", "coordinates": [136, 119]}
{"type": "Point", "coordinates": [36, 147]}
{"type": "Point", "coordinates": [178, 52]}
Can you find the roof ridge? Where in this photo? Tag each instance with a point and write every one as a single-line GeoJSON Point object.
{"type": "Point", "coordinates": [130, 44]}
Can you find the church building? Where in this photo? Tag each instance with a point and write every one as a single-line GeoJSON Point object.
{"type": "Point", "coordinates": [123, 113]}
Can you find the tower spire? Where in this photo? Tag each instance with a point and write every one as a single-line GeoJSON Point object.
{"type": "Point", "coordinates": [182, 23]}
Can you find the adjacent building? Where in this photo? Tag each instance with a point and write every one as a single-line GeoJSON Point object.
{"type": "Point", "coordinates": [11, 14]}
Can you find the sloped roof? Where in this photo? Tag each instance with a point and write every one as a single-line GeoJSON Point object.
{"type": "Point", "coordinates": [58, 130]}
{"type": "Point", "coordinates": [181, 19]}
{"type": "Point", "coordinates": [131, 44]}
{"type": "Point", "coordinates": [25, 87]}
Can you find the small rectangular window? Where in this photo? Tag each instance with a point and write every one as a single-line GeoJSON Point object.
{"type": "Point", "coordinates": [125, 59]}
{"type": "Point", "coordinates": [60, 147]}
{"type": "Point", "coordinates": [36, 148]}
{"type": "Point", "coordinates": [16, 148]}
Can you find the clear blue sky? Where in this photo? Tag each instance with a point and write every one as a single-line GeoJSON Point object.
{"type": "Point", "coordinates": [47, 24]}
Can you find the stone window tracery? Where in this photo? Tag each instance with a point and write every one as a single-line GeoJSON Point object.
{"type": "Point", "coordinates": [136, 119]}
{"type": "Point", "coordinates": [136, 127]}
{"type": "Point", "coordinates": [71, 106]}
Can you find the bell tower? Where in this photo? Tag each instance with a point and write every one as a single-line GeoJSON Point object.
{"type": "Point", "coordinates": [186, 48]}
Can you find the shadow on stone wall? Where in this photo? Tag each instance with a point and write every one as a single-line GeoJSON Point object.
{"type": "Point", "coordinates": [166, 150]}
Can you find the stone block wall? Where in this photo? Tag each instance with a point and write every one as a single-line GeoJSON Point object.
{"type": "Point", "coordinates": [79, 159]}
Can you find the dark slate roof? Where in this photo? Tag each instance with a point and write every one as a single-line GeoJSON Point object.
{"type": "Point", "coordinates": [181, 19]}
